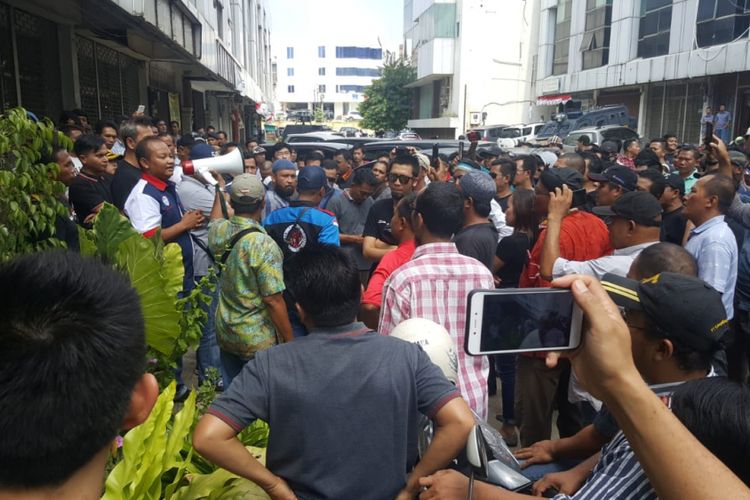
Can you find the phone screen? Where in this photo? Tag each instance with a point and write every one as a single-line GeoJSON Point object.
{"type": "Point", "coordinates": [526, 321]}
{"type": "Point", "coordinates": [709, 137]}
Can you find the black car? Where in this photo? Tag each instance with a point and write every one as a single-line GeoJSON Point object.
{"type": "Point", "coordinates": [304, 148]}
{"type": "Point", "coordinates": [426, 146]}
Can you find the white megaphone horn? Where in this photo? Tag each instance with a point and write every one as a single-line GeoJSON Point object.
{"type": "Point", "coordinates": [230, 163]}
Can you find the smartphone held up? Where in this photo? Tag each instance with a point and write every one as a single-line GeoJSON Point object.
{"type": "Point", "coordinates": [516, 320]}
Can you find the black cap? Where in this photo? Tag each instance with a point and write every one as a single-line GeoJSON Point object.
{"type": "Point", "coordinates": [610, 147]}
{"type": "Point", "coordinates": [622, 176]}
{"type": "Point", "coordinates": [186, 140]}
{"type": "Point", "coordinates": [489, 152]}
{"type": "Point", "coordinates": [684, 308]}
{"type": "Point", "coordinates": [555, 178]}
{"type": "Point", "coordinates": [675, 181]}
{"type": "Point", "coordinates": [639, 206]}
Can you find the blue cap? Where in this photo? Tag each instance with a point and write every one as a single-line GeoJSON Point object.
{"type": "Point", "coordinates": [201, 151]}
{"type": "Point", "coordinates": [283, 165]}
{"type": "Point", "coordinates": [311, 179]}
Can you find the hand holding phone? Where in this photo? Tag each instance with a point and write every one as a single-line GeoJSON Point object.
{"type": "Point", "coordinates": [708, 137]}
{"type": "Point", "coordinates": [515, 320]}
{"type": "Point", "coordinates": [560, 202]}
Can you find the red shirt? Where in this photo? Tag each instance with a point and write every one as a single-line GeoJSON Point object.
{"type": "Point", "coordinates": [583, 236]}
{"type": "Point", "coordinates": [389, 263]}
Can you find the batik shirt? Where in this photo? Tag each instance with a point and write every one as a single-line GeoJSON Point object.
{"type": "Point", "coordinates": [252, 272]}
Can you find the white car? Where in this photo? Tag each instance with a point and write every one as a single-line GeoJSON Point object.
{"type": "Point", "coordinates": [353, 116]}
{"type": "Point", "coordinates": [515, 134]}
{"type": "Point", "coordinates": [598, 135]}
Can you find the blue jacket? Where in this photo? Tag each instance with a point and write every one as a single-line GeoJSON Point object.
{"type": "Point", "coordinates": [300, 225]}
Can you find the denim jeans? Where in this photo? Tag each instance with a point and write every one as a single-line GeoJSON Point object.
{"type": "Point", "coordinates": [231, 366]}
{"type": "Point", "coordinates": [207, 355]}
{"type": "Point", "coordinates": [505, 366]}
{"type": "Point", "coordinates": [537, 471]}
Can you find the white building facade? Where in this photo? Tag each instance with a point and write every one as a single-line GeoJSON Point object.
{"type": "Point", "coordinates": [474, 62]}
{"type": "Point", "coordinates": [334, 75]}
{"type": "Point", "coordinates": [666, 60]}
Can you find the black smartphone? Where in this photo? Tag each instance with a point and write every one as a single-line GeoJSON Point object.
{"type": "Point", "coordinates": [708, 138]}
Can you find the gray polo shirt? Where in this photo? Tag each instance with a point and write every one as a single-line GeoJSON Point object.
{"type": "Point", "coordinates": [351, 218]}
{"type": "Point", "coordinates": [195, 195]}
{"type": "Point", "coordinates": [342, 405]}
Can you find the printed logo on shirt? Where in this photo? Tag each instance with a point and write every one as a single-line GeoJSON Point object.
{"type": "Point", "coordinates": [295, 238]}
{"type": "Point", "coordinates": [165, 200]}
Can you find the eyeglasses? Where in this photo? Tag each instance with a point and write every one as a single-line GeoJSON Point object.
{"type": "Point", "coordinates": [402, 179]}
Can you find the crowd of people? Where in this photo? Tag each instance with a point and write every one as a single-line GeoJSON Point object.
{"type": "Point", "coordinates": [322, 259]}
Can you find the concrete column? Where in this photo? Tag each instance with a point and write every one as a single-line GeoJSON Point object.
{"type": "Point", "coordinates": [69, 86]}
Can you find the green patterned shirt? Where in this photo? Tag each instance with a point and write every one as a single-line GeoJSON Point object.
{"type": "Point", "coordinates": [252, 271]}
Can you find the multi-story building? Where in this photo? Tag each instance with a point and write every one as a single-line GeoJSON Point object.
{"type": "Point", "coordinates": [666, 60]}
{"type": "Point", "coordinates": [474, 63]}
{"type": "Point", "coordinates": [198, 62]}
{"type": "Point", "coordinates": [314, 71]}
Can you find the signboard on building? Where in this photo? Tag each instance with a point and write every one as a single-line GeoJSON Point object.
{"type": "Point", "coordinates": [174, 107]}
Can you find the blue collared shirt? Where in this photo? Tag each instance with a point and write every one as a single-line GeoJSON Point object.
{"type": "Point", "coordinates": [715, 250]}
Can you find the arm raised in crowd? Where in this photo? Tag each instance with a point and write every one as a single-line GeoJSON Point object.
{"type": "Point", "coordinates": [559, 205]}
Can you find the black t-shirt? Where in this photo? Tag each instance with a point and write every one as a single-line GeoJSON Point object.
{"type": "Point", "coordinates": [478, 241]}
{"type": "Point", "coordinates": [503, 202]}
{"type": "Point", "coordinates": [673, 226]}
{"type": "Point", "coordinates": [513, 250]}
{"type": "Point", "coordinates": [126, 177]}
{"type": "Point", "coordinates": [86, 192]}
{"type": "Point", "coordinates": [378, 223]}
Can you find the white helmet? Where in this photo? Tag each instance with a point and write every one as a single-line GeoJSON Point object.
{"type": "Point", "coordinates": [434, 340]}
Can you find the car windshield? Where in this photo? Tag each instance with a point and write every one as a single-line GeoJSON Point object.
{"type": "Point", "coordinates": [548, 130]}
{"type": "Point", "coordinates": [510, 133]}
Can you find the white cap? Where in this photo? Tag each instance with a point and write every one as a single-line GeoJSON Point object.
{"type": "Point", "coordinates": [434, 340]}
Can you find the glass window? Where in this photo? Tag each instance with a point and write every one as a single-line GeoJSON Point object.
{"type": "Point", "coordinates": [290, 72]}
{"type": "Point", "coordinates": [321, 88]}
{"type": "Point", "coordinates": [342, 89]}
{"type": "Point", "coordinates": [321, 72]}
{"type": "Point", "coordinates": [656, 21]}
{"type": "Point", "coordinates": [357, 72]}
{"type": "Point", "coordinates": [562, 37]}
{"type": "Point", "coordinates": [290, 89]}
{"type": "Point", "coordinates": [721, 21]}
{"type": "Point", "coordinates": [595, 45]}
{"type": "Point", "coordinates": [359, 53]}
{"type": "Point", "coordinates": [438, 21]}
{"type": "Point", "coordinates": [290, 52]}
{"type": "Point", "coordinates": [321, 51]}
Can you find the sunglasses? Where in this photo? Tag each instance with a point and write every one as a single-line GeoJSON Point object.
{"type": "Point", "coordinates": [402, 179]}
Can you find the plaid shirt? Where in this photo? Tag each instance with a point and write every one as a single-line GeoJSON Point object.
{"type": "Point", "coordinates": [435, 285]}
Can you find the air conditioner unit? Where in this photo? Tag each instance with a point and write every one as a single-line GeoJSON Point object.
{"type": "Point", "coordinates": [475, 118]}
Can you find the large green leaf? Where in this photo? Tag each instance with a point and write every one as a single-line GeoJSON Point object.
{"type": "Point", "coordinates": [111, 229]}
{"type": "Point", "coordinates": [135, 255]}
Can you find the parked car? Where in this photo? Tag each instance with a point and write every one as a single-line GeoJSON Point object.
{"type": "Point", "coordinates": [353, 116]}
{"type": "Point", "coordinates": [563, 124]}
{"type": "Point", "coordinates": [303, 116]}
{"type": "Point", "coordinates": [516, 134]}
{"type": "Point", "coordinates": [301, 129]}
{"type": "Point", "coordinates": [322, 136]}
{"type": "Point", "coordinates": [599, 135]}
{"type": "Point", "coordinates": [304, 148]}
{"type": "Point", "coordinates": [445, 146]}
{"type": "Point", "coordinates": [350, 132]}
{"type": "Point", "coordinates": [489, 132]}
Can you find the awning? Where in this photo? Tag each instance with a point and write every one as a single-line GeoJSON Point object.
{"type": "Point", "coordinates": [552, 100]}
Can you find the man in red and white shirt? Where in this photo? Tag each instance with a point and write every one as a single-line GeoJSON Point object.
{"type": "Point", "coordinates": [435, 284]}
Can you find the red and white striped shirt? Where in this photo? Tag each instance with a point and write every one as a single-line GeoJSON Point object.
{"type": "Point", "coordinates": [435, 285]}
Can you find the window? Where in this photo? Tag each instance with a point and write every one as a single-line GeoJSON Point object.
{"type": "Point", "coordinates": [219, 18]}
{"type": "Point", "coordinates": [595, 45]}
{"type": "Point", "coordinates": [358, 53]}
{"type": "Point", "coordinates": [290, 72]}
{"type": "Point", "coordinates": [562, 38]}
{"type": "Point", "coordinates": [721, 21]}
{"type": "Point", "coordinates": [321, 89]}
{"type": "Point", "coordinates": [321, 51]}
{"type": "Point", "coordinates": [656, 21]}
{"type": "Point", "coordinates": [290, 52]}
{"type": "Point", "coordinates": [342, 89]}
{"type": "Point", "coordinates": [290, 89]}
{"type": "Point", "coordinates": [321, 72]}
{"type": "Point", "coordinates": [357, 72]}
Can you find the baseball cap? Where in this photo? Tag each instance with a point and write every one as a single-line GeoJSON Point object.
{"type": "Point", "coordinates": [478, 186]}
{"type": "Point", "coordinates": [548, 157]}
{"type": "Point", "coordinates": [259, 151]}
{"type": "Point", "coordinates": [684, 308]}
{"type": "Point", "coordinates": [675, 181]}
{"type": "Point", "coordinates": [201, 151]}
{"type": "Point", "coordinates": [186, 140]}
{"type": "Point", "coordinates": [638, 206]}
{"type": "Point", "coordinates": [468, 165]}
{"type": "Point", "coordinates": [279, 165]}
{"type": "Point", "coordinates": [311, 179]}
{"type": "Point", "coordinates": [246, 189]}
{"type": "Point", "coordinates": [610, 147]}
{"type": "Point", "coordinates": [555, 178]}
{"type": "Point", "coordinates": [622, 176]}
{"type": "Point", "coordinates": [738, 158]}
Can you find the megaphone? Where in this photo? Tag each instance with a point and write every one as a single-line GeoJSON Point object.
{"type": "Point", "coordinates": [231, 163]}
